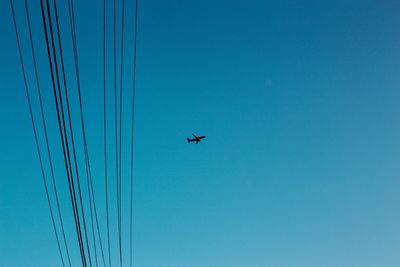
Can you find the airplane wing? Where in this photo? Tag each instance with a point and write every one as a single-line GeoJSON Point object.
{"type": "Point", "coordinates": [194, 135]}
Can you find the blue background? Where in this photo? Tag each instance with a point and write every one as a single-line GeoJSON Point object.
{"type": "Point", "coordinates": [300, 104]}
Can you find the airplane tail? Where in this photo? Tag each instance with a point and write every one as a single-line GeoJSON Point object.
{"type": "Point", "coordinates": [188, 140]}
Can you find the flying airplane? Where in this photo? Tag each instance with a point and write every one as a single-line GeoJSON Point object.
{"type": "Point", "coordinates": [196, 139]}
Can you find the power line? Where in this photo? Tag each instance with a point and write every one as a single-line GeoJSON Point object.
{"type": "Point", "coordinates": [35, 135]}
{"type": "Point", "coordinates": [120, 128]}
{"type": "Point", "coordinates": [62, 131]}
{"type": "Point", "coordinates": [65, 125]}
{"type": "Point", "coordinates": [105, 129]}
{"type": "Point", "coordinates": [95, 213]}
{"type": "Point", "coordinates": [133, 119]}
{"type": "Point", "coordinates": [86, 153]}
{"type": "Point", "coordinates": [116, 136]}
{"type": "Point", "coordinates": [72, 136]}
{"type": "Point", "coordinates": [70, 126]}
{"type": "Point", "coordinates": [45, 131]}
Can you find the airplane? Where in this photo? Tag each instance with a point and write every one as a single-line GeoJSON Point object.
{"type": "Point", "coordinates": [196, 139]}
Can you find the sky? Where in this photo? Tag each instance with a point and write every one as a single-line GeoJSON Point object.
{"type": "Point", "coordinates": [299, 103]}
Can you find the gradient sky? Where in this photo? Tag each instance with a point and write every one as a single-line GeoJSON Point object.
{"type": "Point", "coordinates": [300, 104]}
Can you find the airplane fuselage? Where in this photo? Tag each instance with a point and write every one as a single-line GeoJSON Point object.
{"type": "Point", "coordinates": [196, 139]}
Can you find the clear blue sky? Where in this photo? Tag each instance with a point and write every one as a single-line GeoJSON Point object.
{"type": "Point", "coordinates": [300, 104]}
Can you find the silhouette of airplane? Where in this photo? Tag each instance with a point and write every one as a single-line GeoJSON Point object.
{"type": "Point", "coordinates": [196, 139]}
